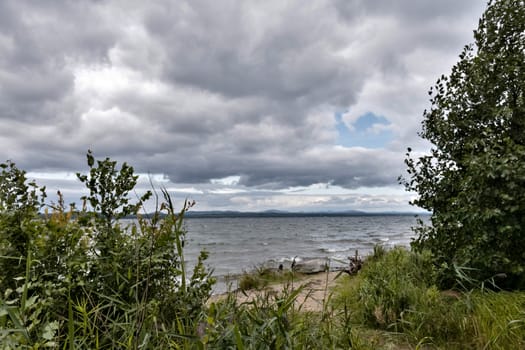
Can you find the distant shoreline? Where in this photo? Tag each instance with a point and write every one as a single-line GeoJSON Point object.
{"type": "Point", "coordinates": [285, 214]}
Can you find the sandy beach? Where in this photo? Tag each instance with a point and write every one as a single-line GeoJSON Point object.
{"type": "Point", "coordinates": [317, 288]}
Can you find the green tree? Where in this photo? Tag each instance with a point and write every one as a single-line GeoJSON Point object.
{"type": "Point", "coordinates": [473, 179]}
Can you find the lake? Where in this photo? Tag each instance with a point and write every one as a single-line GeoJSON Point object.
{"type": "Point", "coordinates": [240, 244]}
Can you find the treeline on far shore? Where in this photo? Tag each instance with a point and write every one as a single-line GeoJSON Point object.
{"type": "Point", "coordinates": [287, 214]}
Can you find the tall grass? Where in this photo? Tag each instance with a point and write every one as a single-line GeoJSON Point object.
{"type": "Point", "coordinates": [262, 277]}
{"type": "Point", "coordinates": [396, 292]}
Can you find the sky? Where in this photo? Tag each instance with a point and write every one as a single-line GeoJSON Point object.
{"type": "Point", "coordinates": [238, 105]}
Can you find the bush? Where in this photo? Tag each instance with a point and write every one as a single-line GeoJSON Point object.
{"type": "Point", "coordinates": [78, 278]}
{"type": "Point", "coordinates": [395, 291]}
{"type": "Point", "coordinates": [473, 178]}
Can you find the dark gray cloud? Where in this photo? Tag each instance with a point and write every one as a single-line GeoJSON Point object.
{"type": "Point", "coordinates": [39, 42]}
{"type": "Point", "coordinates": [200, 90]}
{"type": "Point", "coordinates": [277, 51]}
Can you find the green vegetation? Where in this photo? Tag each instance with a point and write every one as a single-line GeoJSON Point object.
{"type": "Point", "coordinates": [473, 181]}
{"type": "Point", "coordinates": [76, 279]}
{"type": "Point", "coordinates": [396, 291]}
{"type": "Point", "coordinates": [262, 276]}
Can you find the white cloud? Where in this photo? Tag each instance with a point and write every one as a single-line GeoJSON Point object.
{"type": "Point", "coordinates": [188, 190]}
{"type": "Point", "coordinates": [228, 180]}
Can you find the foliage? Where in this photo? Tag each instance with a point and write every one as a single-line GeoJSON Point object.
{"type": "Point", "coordinates": [277, 321]}
{"type": "Point", "coordinates": [109, 189]}
{"type": "Point", "coordinates": [473, 180]}
{"type": "Point", "coordinates": [82, 280]}
{"type": "Point", "coordinates": [20, 202]}
{"type": "Point", "coordinates": [263, 276]}
{"type": "Point", "coordinates": [498, 320]}
{"type": "Point", "coordinates": [391, 283]}
{"type": "Point", "coordinates": [395, 292]}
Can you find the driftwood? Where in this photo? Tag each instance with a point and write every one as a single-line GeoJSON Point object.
{"type": "Point", "coordinates": [355, 264]}
{"type": "Point", "coordinates": [310, 266]}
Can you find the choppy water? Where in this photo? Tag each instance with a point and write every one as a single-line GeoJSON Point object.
{"type": "Point", "coordinates": [240, 244]}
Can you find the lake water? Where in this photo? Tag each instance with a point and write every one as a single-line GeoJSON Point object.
{"type": "Point", "coordinates": [240, 244]}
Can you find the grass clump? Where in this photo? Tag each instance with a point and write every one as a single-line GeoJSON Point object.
{"type": "Point", "coordinates": [396, 292]}
{"type": "Point", "coordinates": [498, 319]}
{"type": "Point", "coordinates": [277, 321]}
{"type": "Point", "coordinates": [250, 281]}
{"type": "Point", "coordinates": [262, 277]}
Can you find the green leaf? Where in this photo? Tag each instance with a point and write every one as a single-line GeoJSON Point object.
{"type": "Point", "coordinates": [50, 329]}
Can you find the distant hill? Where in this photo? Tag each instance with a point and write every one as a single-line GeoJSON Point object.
{"type": "Point", "coordinates": [280, 213]}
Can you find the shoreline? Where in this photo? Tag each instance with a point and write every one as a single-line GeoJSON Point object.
{"type": "Point", "coordinates": [316, 290]}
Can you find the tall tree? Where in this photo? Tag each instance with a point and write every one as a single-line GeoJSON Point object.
{"type": "Point", "coordinates": [473, 179]}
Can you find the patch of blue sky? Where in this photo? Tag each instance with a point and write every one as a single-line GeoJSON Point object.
{"type": "Point", "coordinates": [363, 133]}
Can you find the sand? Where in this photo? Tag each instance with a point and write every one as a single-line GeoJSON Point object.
{"type": "Point", "coordinates": [317, 288]}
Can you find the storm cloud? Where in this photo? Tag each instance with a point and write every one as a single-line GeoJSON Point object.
{"type": "Point", "coordinates": [202, 90]}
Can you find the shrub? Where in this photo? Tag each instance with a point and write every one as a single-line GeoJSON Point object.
{"type": "Point", "coordinates": [473, 178]}
{"type": "Point", "coordinates": [81, 279]}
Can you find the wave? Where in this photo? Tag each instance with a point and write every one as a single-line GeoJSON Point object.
{"type": "Point", "coordinates": [334, 250]}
